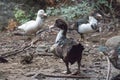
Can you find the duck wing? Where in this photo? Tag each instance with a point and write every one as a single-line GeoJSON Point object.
{"type": "Point", "coordinates": [28, 25]}
{"type": "Point", "coordinates": [63, 49]}
{"type": "Point", "coordinates": [82, 21]}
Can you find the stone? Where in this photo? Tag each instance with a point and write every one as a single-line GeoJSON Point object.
{"type": "Point", "coordinates": [30, 74]}
{"type": "Point", "coordinates": [42, 47]}
{"type": "Point", "coordinates": [113, 42]}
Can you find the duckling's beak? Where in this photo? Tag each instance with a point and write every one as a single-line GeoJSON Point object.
{"type": "Point", "coordinates": [44, 15]}
{"type": "Point", "coordinates": [51, 27]}
{"type": "Point", "coordinates": [99, 16]}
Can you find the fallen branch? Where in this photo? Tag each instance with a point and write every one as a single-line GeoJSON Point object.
{"type": "Point", "coordinates": [40, 31]}
{"type": "Point", "coordinates": [109, 66]}
{"type": "Point", "coordinates": [46, 54]}
{"type": "Point", "coordinates": [61, 76]}
{"type": "Point", "coordinates": [14, 52]}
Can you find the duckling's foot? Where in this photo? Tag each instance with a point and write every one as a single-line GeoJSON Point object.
{"type": "Point", "coordinates": [66, 72]}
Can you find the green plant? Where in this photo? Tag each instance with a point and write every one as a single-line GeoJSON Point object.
{"type": "Point", "coordinates": [70, 12]}
{"type": "Point", "coordinates": [22, 17]}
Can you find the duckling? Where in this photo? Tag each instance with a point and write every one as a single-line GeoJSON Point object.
{"type": "Point", "coordinates": [31, 27]}
{"type": "Point", "coordinates": [66, 48]}
{"type": "Point", "coordinates": [87, 24]}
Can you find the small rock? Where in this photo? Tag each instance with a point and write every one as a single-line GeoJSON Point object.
{"type": "Point", "coordinates": [113, 42]}
{"type": "Point", "coordinates": [92, 51]}
{"type": "Point", "coordinates": [102, 67]}
{"type": "Point", "coordinates": [30, 74]}
{"type": "Point", "coordinates": [42, 48]}
{"type": "Point", "coordinates": [87, 49]}
{"type": "Point", "coordinates": [39, 76]}
{"type": "Point", "coordinates": [97, 63]}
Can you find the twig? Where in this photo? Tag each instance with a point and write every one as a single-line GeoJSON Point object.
{"type": "Point", "coordinates": [61, 76]}
{"type": "Point", "coordinates": [40, 31]}
{"type": "Point", "coordinates": [46, 54]}
{"type": "Point", "coordinates": [14, 52]}
{"type": "Point", "coordinates": [109, 67]}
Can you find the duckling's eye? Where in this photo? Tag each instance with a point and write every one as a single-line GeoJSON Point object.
{"type": "Point", "coordinates": [41, 12]}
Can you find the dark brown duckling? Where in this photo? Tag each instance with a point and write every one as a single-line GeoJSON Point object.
{"type": "Point", "coordinates": [67, 49]}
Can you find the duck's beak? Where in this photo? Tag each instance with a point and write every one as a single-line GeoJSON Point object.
{"type": "Point", "coordinates": [51, 27]}
{"type": "Point", "coordinates": [99, 16]}
{"type": "Point", "coordinates": [44, 14]}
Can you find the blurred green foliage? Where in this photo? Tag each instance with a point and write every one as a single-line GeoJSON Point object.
{"type": "Point", "coordinates": [22, 16]}
{"type": "Point", "coordinates": [70, 12]}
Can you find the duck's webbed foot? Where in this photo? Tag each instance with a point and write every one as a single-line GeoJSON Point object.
{"type": "Point", "coordinates": [67, 66]}
{"type": "Point", "coordinates": [66, 72]}
{"type": "Point", "coordinates": [82, 37]}
{"type": "Point", "coordinates": [78, 70]}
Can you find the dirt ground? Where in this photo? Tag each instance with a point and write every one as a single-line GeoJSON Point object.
{"type": "Point", "coordinates": [94, 64]}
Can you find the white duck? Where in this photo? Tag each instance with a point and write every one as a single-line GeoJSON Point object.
{"type": "Point", "coordinates": [31, 27]}
{"type": "Point", "coordinates": [87, 25]}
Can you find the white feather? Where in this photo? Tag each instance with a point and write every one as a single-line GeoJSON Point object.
{"type": "Point", "coordinates": [32, 26]}
{"type": "Point", "coordinates": [59, 35]}
{"type": "Point", "coordinates": [86, 28]}
{"type": "Point", "coordinates": [92, 20]}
